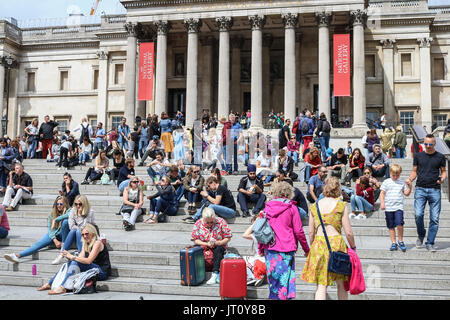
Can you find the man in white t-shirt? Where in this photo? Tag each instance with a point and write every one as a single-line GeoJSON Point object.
{"type": "Point", "coordinates": [158, 167]}
{"type": "Point", "coordinates": [264, 169]}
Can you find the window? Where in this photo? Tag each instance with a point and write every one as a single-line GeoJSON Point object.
{"type": "Point", "coordinates": [95, 82]}
{"type": "Point", "coordinates": [370, 66]}
{"type": "Point", "coordinates": [115, 121]}
{"type": "Point", "coordinates": [63, 124]}
{"type": "Point", "coordinates": [118, 74]}
{"type": "Point", "coordinates": [440, 120]}
{"type": "Point", "coordinates": [407, 120]}
{"type": "Point", "coordinates": [31, 81]}
{"type": "Point", "coordinates": [439, 69]}
{"type": "Point", "coordinates": [406, 64]}
{"type": "Point", "coordinates": [64, 80]}
{"type": "Point", "coordinates": [93, 122]}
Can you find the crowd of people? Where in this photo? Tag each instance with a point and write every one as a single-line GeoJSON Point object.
{"type": "Point", "coordinates": [300, 153]}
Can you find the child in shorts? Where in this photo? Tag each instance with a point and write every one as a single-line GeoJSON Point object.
{"type": "Point", "coordinates": [392, 194]}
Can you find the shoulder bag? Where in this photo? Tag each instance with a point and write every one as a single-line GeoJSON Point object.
{"type": "Point", "coordinates": [339, 262]}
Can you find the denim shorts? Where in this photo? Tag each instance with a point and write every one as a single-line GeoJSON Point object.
{"type": "Point", "coordinates": [394, 219]}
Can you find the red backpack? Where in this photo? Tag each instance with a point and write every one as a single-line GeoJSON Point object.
{"type": "Point", "coordinates": [295, 126]}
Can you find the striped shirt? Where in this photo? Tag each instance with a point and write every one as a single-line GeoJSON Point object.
{"type": "Point", "coordinates": [394, 194]}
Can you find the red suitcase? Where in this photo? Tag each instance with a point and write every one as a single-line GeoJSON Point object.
{"type": "Point", "coordinates": [233, 278]}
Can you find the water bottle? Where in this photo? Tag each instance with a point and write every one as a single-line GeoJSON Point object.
{"type": "Point", "coordinates": [34, 270]}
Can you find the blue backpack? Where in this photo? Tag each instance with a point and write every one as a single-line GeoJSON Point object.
{"type": "Point", "coordinates": [263, 232]}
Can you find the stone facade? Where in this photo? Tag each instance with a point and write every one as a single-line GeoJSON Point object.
{"type": "Point", "coordinates": [233, 56]}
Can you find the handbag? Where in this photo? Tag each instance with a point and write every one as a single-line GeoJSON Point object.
{"type": "Point", "coordinates": [339, 262]}
{"type": "Point", "coordinates": [263, 232]}
{"type": "Point", "coordinates": [209, 258]}
{"type": "Point", "coordinates": [105, 179]}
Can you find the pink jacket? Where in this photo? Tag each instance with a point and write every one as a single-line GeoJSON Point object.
{"type": "Point", "coordinates": [356, 284]}
{"type": "Point", "coordinates": [4, 218]}
{"type": "Point", "coordinates": [284, 218]}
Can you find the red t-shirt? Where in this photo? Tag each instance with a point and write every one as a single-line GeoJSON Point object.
{"type": "Point", "coordinates": [313, 162]}
{"type": "Point", "coordinates": [366, 194]}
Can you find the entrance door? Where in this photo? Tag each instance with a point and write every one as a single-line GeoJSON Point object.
{"type": "Point", "coordinates": [177, 101]}
{"type": "Point", "coordinates": [247, 102]}
{"type": "Point", "coordinates": [334, 104]}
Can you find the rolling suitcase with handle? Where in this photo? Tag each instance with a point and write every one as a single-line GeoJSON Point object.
{"type": "Point", "coordinates": [233, 278]}
{"type": "Point", "coordinates": [192, 266]}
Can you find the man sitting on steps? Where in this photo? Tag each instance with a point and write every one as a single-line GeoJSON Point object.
{"type": "Point", "coordinates": [251, 189]}
{"type": "Point", "coordinates": [20, 186]}
{"type": "Point", "coordinates": [378, 162]}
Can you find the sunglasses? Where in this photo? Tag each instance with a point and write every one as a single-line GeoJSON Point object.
{"type": "Point", "coordinates": [85, 234]}
{"type": "Point", "coordinates": [195, 171]}
{"type": "Point", "coordinates": [59, 204]}
{"type": "Point", "coordinates": [429, 144]}
{"type": "Point", "coordinates": [78, 204]}
{"type": "Point", "coordinates": [134, 182]}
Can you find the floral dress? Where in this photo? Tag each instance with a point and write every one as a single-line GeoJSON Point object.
{"type": "Point", "coordinates": [316, 266]}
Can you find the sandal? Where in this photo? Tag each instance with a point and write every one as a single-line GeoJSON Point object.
{"type": "Point", "coordinates": [46, 286]}
{"type": "Point", "coordinates": [152, 221]}
{"type": "Point", "coordinates": [59, 290]}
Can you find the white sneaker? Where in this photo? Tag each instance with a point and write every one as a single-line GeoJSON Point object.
{"type": "Point", "coordinates": [212, 280]}
{"type": "Point", "coordinates": [352, 216]}
{"type": "Point", "coordinates": [362, 216]}
{"type": "Point", "coordinates": [59, 259]}
{"type": "Point", "coordinates": [11, 258]}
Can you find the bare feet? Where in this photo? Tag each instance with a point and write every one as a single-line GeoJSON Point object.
{"type": "Point", "coordinates": [59, 290]}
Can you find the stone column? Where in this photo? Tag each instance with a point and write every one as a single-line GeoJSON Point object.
{"type": "Point", "coordinates": [224, 24]}
{"type": "Point", "coordinates": [102, 99]}
{"type": "Point", "coordinates": [266, 93]}
{"type": "Point", "coordinates": [323, 21]}
{"type": "Point", "coordinates": [130, 72]}
{"type": "Point", "coordinates": [2, 88]}
{"type": "Point", "coordinates": [388, 79]}
{"type": "Point", "coordinates": [205, 97]}
{"type": "Point", "coordinates": [236, 45]}
{"type": "Point", "coordinates": [359, 19]}
{"type": "Point", "coordinates": [298, 71]}
{"type": "Point", "coordinates": [425, 82]}
{"type": "Point", "coordinates": [193, 27]}
{"type": "Point", "coordinates": [163, 28]}
{"type": "Point", "coordinates": [257, 23]}
{"type": "Point", "coordinates": [290, 21]}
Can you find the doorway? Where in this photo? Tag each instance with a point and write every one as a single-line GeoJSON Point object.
{"type": "Point", "coordinates": [334, 104]}
{"type": "Point", "coordinates": [176, 101]}
{"type": "Point", "coordinates": [247, 102]}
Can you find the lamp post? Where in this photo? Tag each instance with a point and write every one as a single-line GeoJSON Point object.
{"type": "Point", "coordinates": [9, 63]}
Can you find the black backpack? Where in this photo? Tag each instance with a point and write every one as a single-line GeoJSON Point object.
{"type": "Point", "coordinates": [84, 132]}
{"type": "Point", "coordinates": [326, 126]}
{"type": "Point", "coordinates": [305, 126]}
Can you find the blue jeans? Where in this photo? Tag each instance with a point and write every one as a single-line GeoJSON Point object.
{"type": "Point", "coordinates": [293, 154]}
{"type": "Point", "coordinates": [308, 169]}
{"type": "Point", "coordinates": [433, 196]}
{"type": "Point", "coordinates": [32, 149]}
{"type": "Point", "coordinates": [152, 173]}
{"type": "Point", "coordinates": [98, 146]}
{"type": "Point", "coordinates": [360, 204]}
{"type": "Point", "coordinates": [142, 146]}
{"type": "Point", "coordinates": [258, 199]}
{"type": "Point", "coordinates": [179, 192]}
{"type": "Point", "coordinates": [303, 214]}
{"type": "Point", "coordinates": [400, 153]}
{"type": "Point", "coordinates": [123, 143]}
{"type": "Point", "coordinates": [192, 197]}
{"type": "Point", "coordinates": [123, 185]}
{"type": "Point", "coordinates": [83, 157]}
{"type": "Point", "coordinates": [3, 233]}
{"type": "Point", "coordinates": [159, 205]}
{"type": "Point", "coordinates": [75, 265]}
{"type": "Point", "coordinates": [74, 235]}
{"type": "Point", "coordinates": [229, 168]}
{"type": "Point", "coordinates": [268, 178]}
{"type": "Point", "coordinates": [324, 145]}
{"type": "Point", "coordinates": [221, 211]}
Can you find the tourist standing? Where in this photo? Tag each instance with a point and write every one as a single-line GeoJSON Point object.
{"type": "Point", "coordinates": [46, 135]}
{"type": "Point", "coordinates": [33, 138]}
{"type": "Point", "coordinates": [323, 132]}
{"type": "Point", "coordinates": [400, 143]}
{"type": "Point", "coordinates": [429, 169]}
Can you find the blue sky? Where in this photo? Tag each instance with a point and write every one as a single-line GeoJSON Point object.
{"type": "Point", "coordinates": [438, 2]}
{"type": "Point", "coordinates": [32, 9]}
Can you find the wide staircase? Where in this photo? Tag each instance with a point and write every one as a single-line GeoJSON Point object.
{"type": "Point", "coordinates": [146, 260]}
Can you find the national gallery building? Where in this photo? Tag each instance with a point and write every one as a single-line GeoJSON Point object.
{"type": "Point", "coordinates": [228, 55]}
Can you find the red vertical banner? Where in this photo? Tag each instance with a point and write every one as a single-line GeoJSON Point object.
{"type": "Point", "coordinates": [146, 66]}
{"type": "Point", "coordinates": [341, 61]}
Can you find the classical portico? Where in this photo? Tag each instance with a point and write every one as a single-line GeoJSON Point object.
{"type": "Point", "coordinates": [257, 54]}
